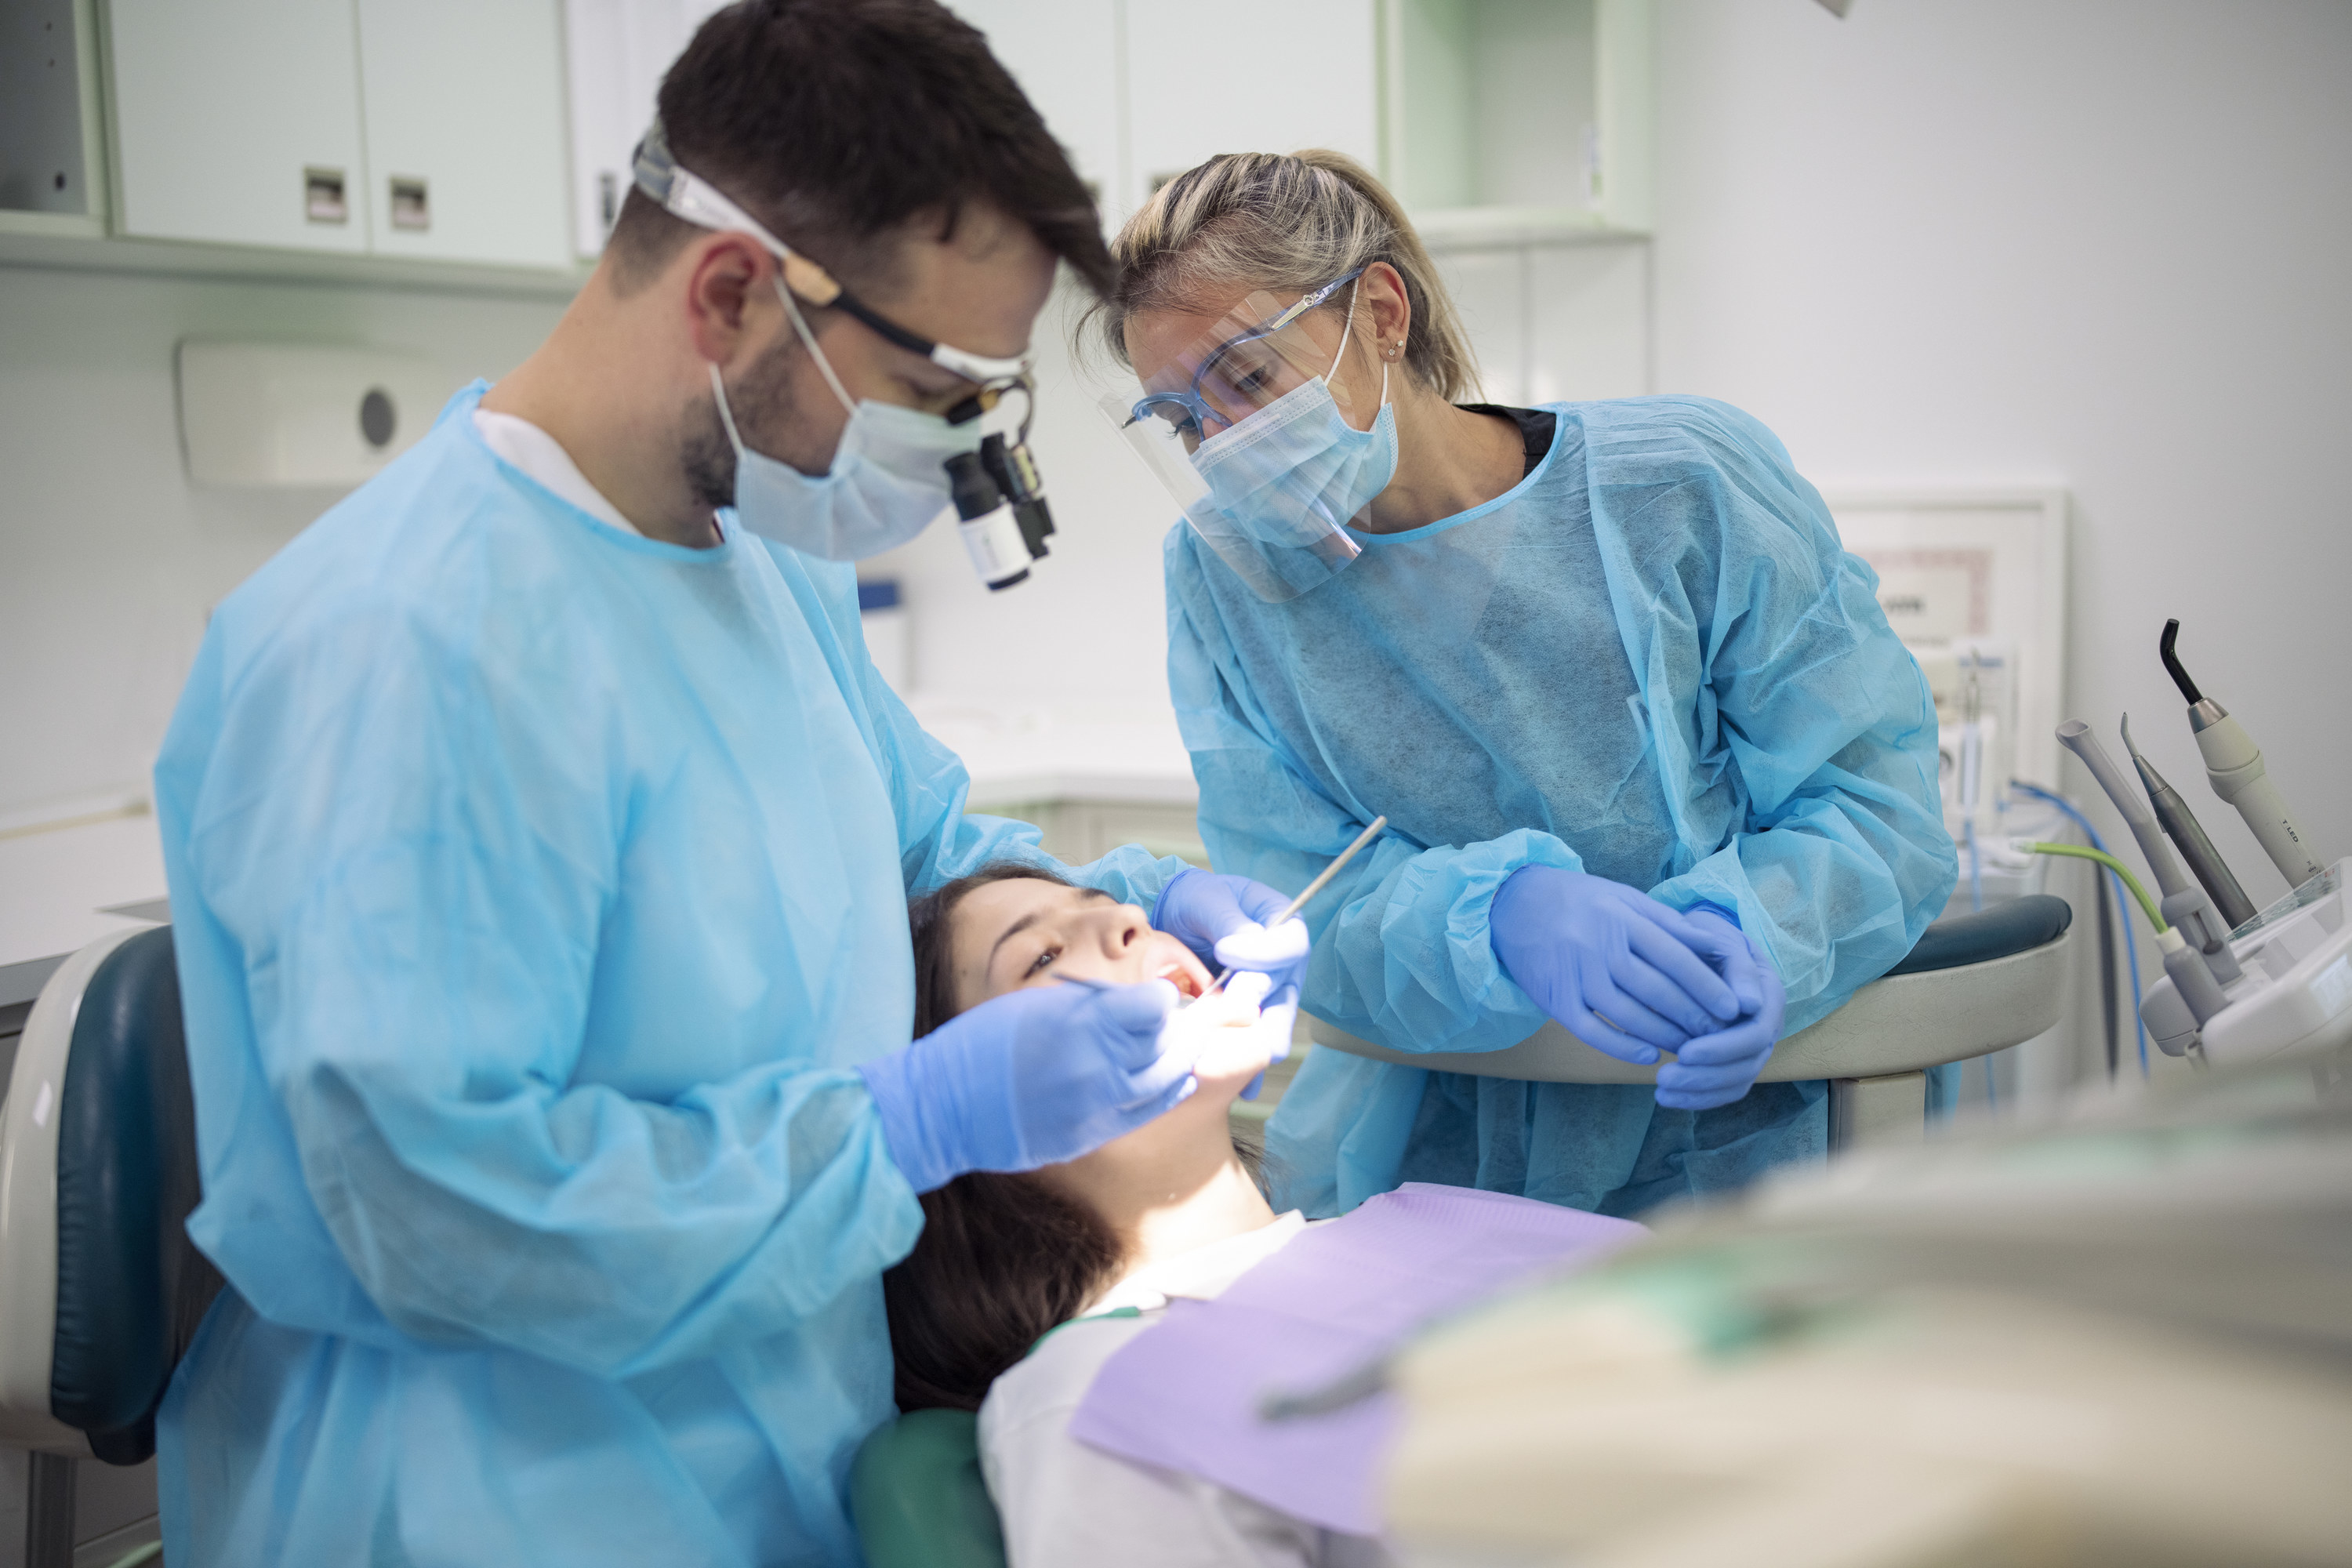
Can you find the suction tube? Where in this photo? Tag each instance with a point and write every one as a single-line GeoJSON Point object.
{"type": "Point", "coordinates": [2181, 826]}
{"type": "Point", "coordinates": [2184, 904]}
{"type": "Point", "coordinates": [2233, 766]}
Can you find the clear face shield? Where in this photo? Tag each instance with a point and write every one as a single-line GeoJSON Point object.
{"type": "Point", "coordinates": [1252, 429]}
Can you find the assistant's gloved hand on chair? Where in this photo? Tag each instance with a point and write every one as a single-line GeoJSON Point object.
{"type": "Point", "coordinates": [1622, 971]}
{"type": "Point", "coordinates": [1717, 1069]}
{"type": "Point", "coordinates": [1030, 1077]}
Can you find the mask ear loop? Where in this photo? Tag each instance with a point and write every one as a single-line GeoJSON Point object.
{"type": "Point", "coordinates": [1345, 328]}
{"type": "Point", "coordinates": [801, 326]}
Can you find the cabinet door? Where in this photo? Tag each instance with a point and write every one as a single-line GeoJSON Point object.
{"type": "Point", "coordinates": [1065, 55]}
{"type": "Point", "coordinates": [238, 121]}
{"type": "Point", "coordinates": [617, 53]}
{"type": "Point", "coordinates": [1242, 76]}
{"type": "Point", "coordinates": [466, 129]}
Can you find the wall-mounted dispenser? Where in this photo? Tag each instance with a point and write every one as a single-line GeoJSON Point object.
{"type": "Point", "coordinates": [287, 414]}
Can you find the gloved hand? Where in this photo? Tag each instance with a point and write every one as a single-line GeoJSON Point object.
{"type": "Point", "coordinates": [1258, 955]}
{"type": "Point", "coordinates": [1029, 1079]}
{"type": "Point", "coordinates": [1717, 1068]}
{"type": "Point", "coordinates": [1620, 971]}
{"type": "Point", "coordinates": [1201, 909]}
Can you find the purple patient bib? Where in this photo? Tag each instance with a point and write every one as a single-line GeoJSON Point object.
{"type": "Point", "coordinates": [1185, 1394]}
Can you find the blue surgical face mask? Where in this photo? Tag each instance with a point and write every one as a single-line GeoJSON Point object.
{"type": "Point", "coordinates": [887, 483]}
{"type": "Point", "coordinates": [1297, 460]}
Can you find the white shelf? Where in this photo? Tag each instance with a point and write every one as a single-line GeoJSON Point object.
{"type": "Point", "coordinates": [1474, 229]}
{"type": "Point", "coordinates": [29, 240]}
{"type": "Point", "coordinates": [1127, 755]}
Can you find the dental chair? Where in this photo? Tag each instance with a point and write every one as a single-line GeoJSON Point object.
{"type": "Point", "coordinates": [1974, 984]}
{"type": "Point", "coordinates": [100, 1289]}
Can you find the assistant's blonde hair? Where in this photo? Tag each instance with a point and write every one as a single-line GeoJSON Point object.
{"type": "Point", "coordinates": [1289, 222]}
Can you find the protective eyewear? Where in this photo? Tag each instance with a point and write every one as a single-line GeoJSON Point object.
{"type": "Point", "coordinates": [1234, 374]}
{"type": "Point", "coordinates": [998, 495]}
{"type": "Point", "coordinates": [685, 195]}
{"type": "Point", "coordinates": [1208, 422]}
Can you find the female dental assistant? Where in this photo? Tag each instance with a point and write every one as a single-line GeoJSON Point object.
{"type": "Point", "coordinates": [1655, 765]}
{"type": "Point", "coordinates": [540, 837]}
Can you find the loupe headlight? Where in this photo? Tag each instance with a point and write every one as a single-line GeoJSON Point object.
{"type": "Point", "coordinates": [1000, 497]}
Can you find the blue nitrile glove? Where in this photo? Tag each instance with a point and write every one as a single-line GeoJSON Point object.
{"type": "Point", "coordinates": [1028, 1079]}
{"type": "Point", "coordinates": [1202, 909]}
{"type": "Point", "coordinates": [1717, 1068]}
{"type": "Point", "coordinates": [1272, 953]}
{"type": "Point", "coordinates": [1618, 970]}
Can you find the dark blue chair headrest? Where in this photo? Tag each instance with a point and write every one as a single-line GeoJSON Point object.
{"type": "Point", "coordinates": [132, 1287]}
{"type": "Point", "coordinates": [2017, 926]}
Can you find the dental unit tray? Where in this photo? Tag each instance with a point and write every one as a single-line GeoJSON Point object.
{"type": "Point", "coordinates": [2294, 996]}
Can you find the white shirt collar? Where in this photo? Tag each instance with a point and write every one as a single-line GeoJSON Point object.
{"type": "Point", "coordinates": [541, 457]}
{"type": "Point", "coordinates": [1203, 1272]}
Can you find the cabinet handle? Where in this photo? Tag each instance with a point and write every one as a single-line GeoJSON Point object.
{"type": "Point", "coordinates": [322, 195]}
{"type": "Point", "coordinates": [411, 206]}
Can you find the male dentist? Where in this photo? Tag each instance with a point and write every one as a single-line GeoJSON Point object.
{"type": "Point", "coordinates": [540, 838]}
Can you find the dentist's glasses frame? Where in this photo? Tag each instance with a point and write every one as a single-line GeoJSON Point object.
{"type": "Point", "coordinates": [1188, 412]}
{"type": "Point", "coordinates": [685, 195]}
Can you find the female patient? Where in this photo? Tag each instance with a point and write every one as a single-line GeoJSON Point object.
{"type": "Point", "coordinates": [1171, 1209]}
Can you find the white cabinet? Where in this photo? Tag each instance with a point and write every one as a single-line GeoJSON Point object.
{"type": "Point", "coordinates": [1518, 117]}
{"type": "Point", "coordinates": [1067, 59]}
{"type": "Point", "coordinates": [238, 121]}
{"type": "Point", "coordinates": [465, 134]}
{"type": "Point", "coordinates": [1247, 75]}
{"type": "Point", "coordinates": [616, 52]}
{"type": "Point", "coordinates": [431, 129]}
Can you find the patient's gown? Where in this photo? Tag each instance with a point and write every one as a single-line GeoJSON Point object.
{"type": "Point", "coordinates": [1651, 660]}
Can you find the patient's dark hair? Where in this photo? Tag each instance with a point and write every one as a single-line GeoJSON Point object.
{"type": "Point", "coordinates": [1003, 1258]}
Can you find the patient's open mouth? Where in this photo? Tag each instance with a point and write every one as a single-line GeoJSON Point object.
{"type": "Point", "coordinates": [1176, 974]}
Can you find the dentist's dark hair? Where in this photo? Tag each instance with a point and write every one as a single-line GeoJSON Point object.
{"type": "Point", "coordinates": [836, 123]}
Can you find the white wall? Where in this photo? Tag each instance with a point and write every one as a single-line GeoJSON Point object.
{"type": "Point", "coordinates": [109, 558]}
{"type": "Point", "coordinates": [2101, 243]}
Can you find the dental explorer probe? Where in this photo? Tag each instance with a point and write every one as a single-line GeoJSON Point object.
{"type": "Point", "coordinates": [2233, 766]}
{"type": "Point", "coordinates": [2185, 904]}
{"type": "Point", "coordinates": [1313, 888]}
{"type": "Point", "coordinates": [2181, 826]}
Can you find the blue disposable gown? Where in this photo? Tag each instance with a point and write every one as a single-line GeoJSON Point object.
{"type": "Point", "coordinates": [1650, 660]}
{"type": "Point", "coordinates": [536, 888]}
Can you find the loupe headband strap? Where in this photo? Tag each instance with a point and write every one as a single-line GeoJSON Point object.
{"type": "Point", "coordinates": [685, 195]}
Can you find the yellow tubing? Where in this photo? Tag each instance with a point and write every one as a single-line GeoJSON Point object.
{"type": "Point", "coordinates": [2112, 864]}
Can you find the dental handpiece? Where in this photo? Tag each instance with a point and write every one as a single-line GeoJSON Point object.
{"type": "Point", "coordinates": [2233, 766]}
{"type": "Point", "coordinates": [2181, 826]}
{"type": "Point", "coordinates": [2184, 904]}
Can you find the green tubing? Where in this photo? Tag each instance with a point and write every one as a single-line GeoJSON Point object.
{"type": "Point", "coordinates": [2112, 864]}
